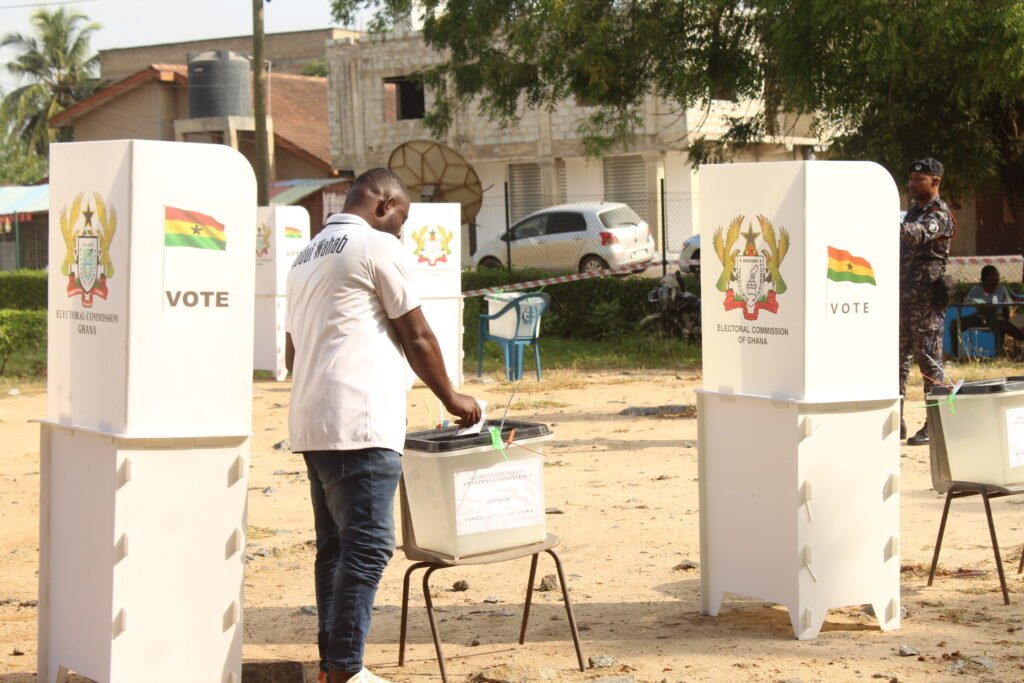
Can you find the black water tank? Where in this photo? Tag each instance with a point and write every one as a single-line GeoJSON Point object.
{"type": "Point", "coordinates": [218, 84]}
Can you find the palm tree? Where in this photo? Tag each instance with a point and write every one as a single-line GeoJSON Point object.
{"type": "Point", "coordinates": [59, 68]}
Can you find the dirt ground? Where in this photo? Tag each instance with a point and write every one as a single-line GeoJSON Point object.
{"type": "Point", "coordinates": [627, 490]}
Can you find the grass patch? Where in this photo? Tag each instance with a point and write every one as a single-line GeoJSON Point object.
{"type": "Point", "coordinates": [639, 352]}
{"type": "Point", "coordinates": [974, 370]}
{"type": "Point", "coordinates": [537, 405]}
{"type": "Point", "coordinates": [254, 533]}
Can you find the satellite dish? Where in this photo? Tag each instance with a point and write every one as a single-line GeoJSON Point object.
{"type": "Point", "coordinates": [437, 173]}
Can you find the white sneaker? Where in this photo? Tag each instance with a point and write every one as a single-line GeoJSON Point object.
{"type": "Point", "coordinates": [366, 676]}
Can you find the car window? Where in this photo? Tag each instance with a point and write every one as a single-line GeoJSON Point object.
{"type": "Point", "coordinates": [619, 216]}
{"type": "Point", "coordinates": [566, 221]}
{"type": "Point", "coordinates": [531, 227]}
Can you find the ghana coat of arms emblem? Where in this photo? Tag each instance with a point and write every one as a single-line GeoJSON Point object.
{"type": "Point", "coordinates": [87, 263]}
{"type": "Point", "coordinates": [432, 244]}
{"type": "Point", "coordinates": [750, 278]}
{"type": "Point", "coordinates": [262, 240]}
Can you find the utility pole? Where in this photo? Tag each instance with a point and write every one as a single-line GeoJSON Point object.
{"type": "Point", "coordinates": [259, 94]}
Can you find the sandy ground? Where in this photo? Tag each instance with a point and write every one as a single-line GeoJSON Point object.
{"type": "Point", "coordinates": [628, 489]}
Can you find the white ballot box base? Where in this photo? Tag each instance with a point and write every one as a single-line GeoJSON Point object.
{"type": "Point", "coordinates": [141, 556]}
{"type": "Point", "coordinates": [799, 505]}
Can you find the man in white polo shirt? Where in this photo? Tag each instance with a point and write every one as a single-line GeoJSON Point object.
{"type": "Point", "coordinates": [353, 319]}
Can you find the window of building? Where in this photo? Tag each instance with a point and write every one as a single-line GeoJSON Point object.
{"type": "Point", "coordinates": [524, 189]}
{"type": "Point", "coordinates": [403, 99]}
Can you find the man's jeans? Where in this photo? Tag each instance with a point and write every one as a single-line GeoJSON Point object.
{"type": "Point", "coordinates": [353, 493]}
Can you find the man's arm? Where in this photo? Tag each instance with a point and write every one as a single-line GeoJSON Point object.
{"type": "Point", "coordinates": [289, 351]}
{"type": "Point", "coordinates": [976, 295]}
{"type": "Point", "coordinates": [424, 354]}
{"type": "Point", "coordinates": [937, 225]}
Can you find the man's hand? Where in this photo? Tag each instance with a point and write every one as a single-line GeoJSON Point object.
{"type": "Point", "coordinates": [464, 408]}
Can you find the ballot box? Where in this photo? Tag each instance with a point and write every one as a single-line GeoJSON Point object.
{"type": "Point", "coordinates": [465, 497]}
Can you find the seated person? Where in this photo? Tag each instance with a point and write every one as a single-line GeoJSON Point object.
{"type": "Point", "coordinates": [989, 291]}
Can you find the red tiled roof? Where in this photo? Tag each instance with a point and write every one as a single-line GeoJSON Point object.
{"type": "Point", "coordinates": [298, 107]}
{"type": "Point", "coordinates": [155, 72]}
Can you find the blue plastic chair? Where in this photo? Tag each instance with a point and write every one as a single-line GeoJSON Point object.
{"type": "Point", "coordinates": [979, 342]}
{"type": "Point", "coordinates": [976, 342]}
{"type": "Point", "coordinates": [528, 310]}
{"type": "Point", "coordinates": [949, 332]}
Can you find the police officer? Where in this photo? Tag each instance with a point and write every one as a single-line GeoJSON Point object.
{"type": "Point", "coordinates": [924, 290]}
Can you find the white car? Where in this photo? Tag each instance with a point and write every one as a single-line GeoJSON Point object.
{"type": "Point", "coordinates": [581, 237]}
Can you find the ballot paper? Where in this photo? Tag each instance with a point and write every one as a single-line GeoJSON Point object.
{"type": "Point", "coordinates": [475, 429]}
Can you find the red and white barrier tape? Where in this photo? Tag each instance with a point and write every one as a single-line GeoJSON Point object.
{"type": "Point", "coordinates": [982, 260]}
{"type": "Point", "coordinates": [635, 268]}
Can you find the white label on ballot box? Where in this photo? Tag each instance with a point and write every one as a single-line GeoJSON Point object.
{"type": "Point", "coordinates": [1015, 436]}
{"type": "Point", "coordinates": [503, 496]}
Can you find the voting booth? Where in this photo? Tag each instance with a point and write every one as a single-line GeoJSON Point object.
{"type": "Point", "coordinates": [281, 233]}
{"type": "Point", "coordinates": [145, 449]}
{"type": "Point", "coordinates": [799, 411]}
{"type": "Point", "coordinates": [432, 234]}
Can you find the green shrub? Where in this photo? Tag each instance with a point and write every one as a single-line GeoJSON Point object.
{"type": "Point", "coordinates": [21, 332]}
{"type": "Point", "coordinates": [597, 308]}
{"type": "Point", "coordinates": [23, 290]}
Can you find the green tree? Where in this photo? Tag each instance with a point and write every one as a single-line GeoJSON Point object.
{"type": "Point", "coordinates": [887, 80]}
{"type": "Point", "coordinates": [317, 67]}
{"type": "Point", "coordinates": [57, 63]}
{"type": "Point", "coordinates": [19, 165]}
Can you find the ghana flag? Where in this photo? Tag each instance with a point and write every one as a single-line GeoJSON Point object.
{"type": "Point", "coordinates": [293, 233]}
{"type": "Point", "coordinates": [845, 267]}
{"type": "Point", "coordinates": [183, 228]}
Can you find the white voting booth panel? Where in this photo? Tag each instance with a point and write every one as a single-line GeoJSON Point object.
{"type": "Point", "coordinates": [799, 415]}
{"type": "Point", "coordinates": [445, 317]}
{"type": "Point", "coordinates": [774, 323]}
{"type": "Point", "coordinates": [281, 233]}
{"type": "Point", "coordinates": [433, 234]}
{"type": "Point", "coordinates": [144, 453]}
{"type": "Point", "coordinates": [141, 556]}
{"type": "Point", "coordinates": [800, 506]}
{"type": "Point", "coordinates": [122, 277]}
{"type": "Point", "coordinates": [269, 339]}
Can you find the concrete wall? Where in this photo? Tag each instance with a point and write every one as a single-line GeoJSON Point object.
{"type": "Point", "coordinates": [291, 166]}
{"type": "Point", "coordinates": [146, 113]}
{"type": "Point", "coordinates": [287, 52]}
{"type": "Point", "coordinates": [362, 138]}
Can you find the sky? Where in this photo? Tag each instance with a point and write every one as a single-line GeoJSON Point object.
{"type": "Point", "coordinates": [130, 23]}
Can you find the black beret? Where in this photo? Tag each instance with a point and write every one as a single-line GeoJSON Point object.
{"type": "Point", "coordinates": [928, 165]}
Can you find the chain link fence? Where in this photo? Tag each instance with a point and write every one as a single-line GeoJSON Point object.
{"type": "Point", "coordinates": [968, 268]}
{"type": "Point", "coordinates": [581, 233]}
{"type": "Point", "coordinates": [24, 243]}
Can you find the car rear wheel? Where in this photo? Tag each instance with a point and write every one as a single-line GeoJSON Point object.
{"type": "Point", "coordinates": [591, 263]}
{"type": "Point", "coordinates": [488, 263]}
